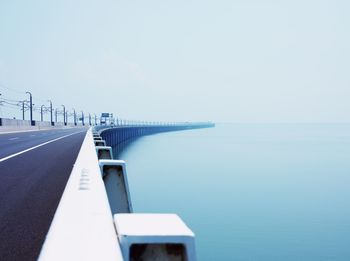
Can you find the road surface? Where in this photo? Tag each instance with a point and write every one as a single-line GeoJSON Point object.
{"type": "Point", "coordinates": [34, 169]}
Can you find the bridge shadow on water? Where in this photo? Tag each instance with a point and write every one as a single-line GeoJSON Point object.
{"type": "Point", "coordinates": [122, 147]}
{"type": "Point", "coordinates": [121, 138]}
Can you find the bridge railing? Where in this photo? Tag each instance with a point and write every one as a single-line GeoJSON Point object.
{"type": "Point", "coordinates": [95, 220]}
{"type": "Point", "coordinates": [83, 227]}
{"type": "Point", "coordinates": [174, 231]}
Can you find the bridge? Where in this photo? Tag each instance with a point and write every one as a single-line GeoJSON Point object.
{"type": "Point", "coordinates": [64, 196]}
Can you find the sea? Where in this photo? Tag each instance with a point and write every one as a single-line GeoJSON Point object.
{"type": "Point", "coordinates": [250, 191]}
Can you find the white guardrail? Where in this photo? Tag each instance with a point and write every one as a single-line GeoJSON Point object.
{"type": "Point", "coordinates": [94, 219]}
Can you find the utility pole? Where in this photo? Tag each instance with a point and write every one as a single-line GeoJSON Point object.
{"type": "Point", "coordinates": [41, 112]}
{"type": "Point", "coordinates": [31, 107]}
{"type": "Point", "coordinates": [75, 118]}
{"type": "Point", "coordinates": [64, 114]}
{"type": "Point", "coordinates": [51, 111]}
{"type": "Point", "coordinates": [23, 110]}
{"type": "Point", "coordinates": [82, 118]}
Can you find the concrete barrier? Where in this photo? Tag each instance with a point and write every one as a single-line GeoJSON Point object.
{"type": "Point", "coordinates": [83, 228]}
{"type": "Point", "coordinates": [43, 123]}
{"type": "Point", "coordinates": [13, 125]}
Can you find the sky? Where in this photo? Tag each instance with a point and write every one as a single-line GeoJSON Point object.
{"type": "Point", "coordinates": [244, 61]}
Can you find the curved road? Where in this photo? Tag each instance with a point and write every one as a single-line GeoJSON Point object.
{"type": "Point", "coordinates": [34, 169]}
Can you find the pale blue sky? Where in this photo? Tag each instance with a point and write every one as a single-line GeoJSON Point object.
{"type": "Point", "coordinates": [239, 61]}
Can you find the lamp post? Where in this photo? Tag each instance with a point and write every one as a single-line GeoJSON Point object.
{"type": "Point", "coordinates": [75, 117]}
{"type": "Point", "coordinates": [89, 119]}
{"type": "Point", "coordinates": [64, 114]}
{"type": "Point", "coordinates": [23, 109]}
{"type": "Point", "coordinates": [31, 107]}
{"type": "Point", "coordinates": [50, 111]}
{"type": "Point", "coordinates": [82, 118]}
{"type": "Point", "coordinates": [41, 112]}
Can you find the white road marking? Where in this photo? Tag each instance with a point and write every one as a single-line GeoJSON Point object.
{"type": "Point", "coordinates": [15, 138]}
{"type": "Point", "coordinates": [37, 146]}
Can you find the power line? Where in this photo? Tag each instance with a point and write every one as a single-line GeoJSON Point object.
{"type": "Point", "coordinates": [37, 98]}
{"type": "Point", "coordinates": [25, 105]}
{"type": "Point", "coordinates": [10, 89]}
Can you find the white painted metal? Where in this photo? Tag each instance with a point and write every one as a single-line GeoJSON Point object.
{"type": "Point", "coordinates": [104, 152]}
{"type": "Point", "coordinates": [153, 229]}
{"type": "Point", "coordinates": [100, 143]}
{"type": "Point", "coordinates": [116, 183]}
{"type": "Point", "coordinates": [82, 228]}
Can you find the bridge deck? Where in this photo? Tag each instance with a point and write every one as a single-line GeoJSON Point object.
{"type": "Point", "coordinates": [31, 185]}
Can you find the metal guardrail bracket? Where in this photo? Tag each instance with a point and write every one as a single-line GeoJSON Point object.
{"type": "Point", "coordinates": [104, 152]}
{"type": "Point", "coordinates": [116, 184]}
{"type": "Point", "coordinates": [154, 237]}
{"type": "Point", "coordinates": [100, 143]}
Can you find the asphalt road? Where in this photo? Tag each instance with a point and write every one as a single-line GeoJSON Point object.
{"type": "Point", "coordinates": [34, 170]}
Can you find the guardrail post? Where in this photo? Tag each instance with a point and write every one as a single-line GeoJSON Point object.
{"type": "Point", "coordinates": [116, 184]}
{"type": "Point", "coordinates": [154, 237]}
{"type": "Point", "coordinates": [104, 152]}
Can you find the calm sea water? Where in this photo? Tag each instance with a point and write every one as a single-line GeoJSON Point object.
{"type": "Point", "coordinates": [250, 192]}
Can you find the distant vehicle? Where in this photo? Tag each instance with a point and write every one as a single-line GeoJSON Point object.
{"type": "Point", "coordinates": [104, 118]}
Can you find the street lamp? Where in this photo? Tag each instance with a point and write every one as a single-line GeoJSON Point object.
{"type": "Point", "coordinates": [23, 109]}
{"type": "Point", "coordinates": [64, 114]}
{"type": "Point", "coordinates": [75, 117]}
{"type": "Point", "coordinates": [51, 111]}
{"type": "Point", "coordinates": [31, 107]}
{"type": "Point", "coordinates": [41, 112]}
{"type": "Point", "coordinates": [82, 118]}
